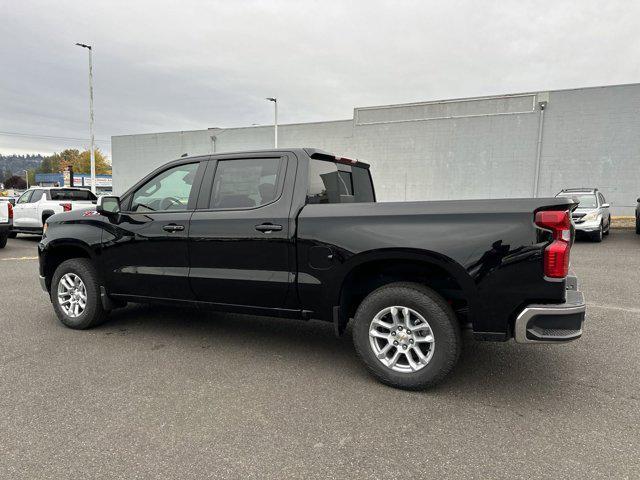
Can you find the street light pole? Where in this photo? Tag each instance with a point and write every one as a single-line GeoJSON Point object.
{"type": "Point", "coordinates": [275, 120]}
{"type": "Point", "coordinates": [26, 177]}
{"type": "Point", "coordinates": [92, 151]}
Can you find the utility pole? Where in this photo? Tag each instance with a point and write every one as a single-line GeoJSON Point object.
{"type": "Point", "coordinates": [92, 151]}
{"type": "Point", "coordinates": [275, 120]}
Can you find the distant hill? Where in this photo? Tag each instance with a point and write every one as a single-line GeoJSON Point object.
{"type": "Point", "coordinates": [16, 164]}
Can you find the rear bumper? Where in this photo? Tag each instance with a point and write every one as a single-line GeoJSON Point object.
{"type": "Point", "coordinates": [553, 323]}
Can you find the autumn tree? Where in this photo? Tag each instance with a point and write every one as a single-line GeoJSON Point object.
{"type": "Point", "coordinates": [79, 161]}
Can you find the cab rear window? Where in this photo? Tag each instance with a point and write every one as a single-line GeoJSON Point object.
{"type": "Point", "coordinates": [69, 194]}
{"type": "Point", "coordinates": [332, 183]}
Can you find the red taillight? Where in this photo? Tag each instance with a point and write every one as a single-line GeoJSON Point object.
{"type": "Point", "coordinates": [10, 207]}
{"type": "Point", "coordinates": [556, 255]}
{"type": "Point", "coordinates": [66, 207]}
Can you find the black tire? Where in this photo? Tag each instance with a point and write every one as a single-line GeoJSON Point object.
{"type": "Point", "coordinates": [608, 230]}
{"type": "Point", "coordinates": [638, 225]}
{"type": "Point", "coordinates": [3, 240]}
{"type": "Point", "coordinates": [597, 235]}
{"type": "Point", "coordinates": [46, 215]}
{"type": "Point", "coordinates": [434, 309]}
{"type": "Point", "coordinates": [12, 235]}
{"type": "Point", "coordinates": [93, 314]}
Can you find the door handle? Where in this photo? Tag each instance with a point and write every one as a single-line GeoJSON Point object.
{"type": "Point", "coordinates": [268, 227]}
{"type": "Point", "coordinates": [172, 227]}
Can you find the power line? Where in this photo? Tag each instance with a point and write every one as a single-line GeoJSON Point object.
{"type": "Point", "coordinates": [18, 134]}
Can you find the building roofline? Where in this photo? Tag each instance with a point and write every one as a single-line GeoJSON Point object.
{"type": "Point", "coordinates": [393, 105]}
{"type": "Point", "coordinates": [223, 129]}
{"type": "Point", "coordinates": [494, 96]}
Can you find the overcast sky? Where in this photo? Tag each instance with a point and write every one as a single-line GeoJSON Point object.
{"type": "Point", "coordinates": [182, 65]}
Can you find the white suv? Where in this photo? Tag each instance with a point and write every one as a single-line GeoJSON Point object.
{"type": "Point", "coordinates": [38, 203]}
{"type": "Point", "coordinates": [592, 216]}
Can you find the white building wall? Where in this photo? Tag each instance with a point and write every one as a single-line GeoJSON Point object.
{"type": "Point", "coordinates": [468, 148]}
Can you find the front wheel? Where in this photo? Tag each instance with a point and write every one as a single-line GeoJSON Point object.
{"type": "Point", "coordinates": [407, 336]}
{"type": "Point", "coordinates": [597, 235]}
{"type": "Point", "coordinates": [75, 294]}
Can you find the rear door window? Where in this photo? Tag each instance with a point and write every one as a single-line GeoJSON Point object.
{"type": "Point", "coordinates": [246, 182]}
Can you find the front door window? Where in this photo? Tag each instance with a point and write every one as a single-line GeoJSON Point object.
{"type": "Point", "coordinates": [168, 191]}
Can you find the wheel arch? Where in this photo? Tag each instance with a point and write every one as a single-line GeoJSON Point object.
{"type": "Point", "coordinates": [46, 214]}
{"type": "Point", "coordinates": [368, 271]}
{"type": "Point", "coordinates": [58, 252]}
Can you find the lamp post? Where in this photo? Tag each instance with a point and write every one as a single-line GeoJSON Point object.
{"type": "Point", "coordinates": [92, 151]}
{"type": "Point", "coordinates": [275, 120]}
{"type": "Point", "coordinates": [26, 177]}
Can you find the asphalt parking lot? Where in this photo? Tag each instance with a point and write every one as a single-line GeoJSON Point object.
{"type": "Point", "coordinates": [171, 393]}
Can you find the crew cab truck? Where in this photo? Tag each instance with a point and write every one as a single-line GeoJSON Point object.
{"type": "Point", "coordinates": [298, 233]}
{"type": "Point", "coordinates": [39, 203]}
{"type": "Point", "coordinates": [6, 219]}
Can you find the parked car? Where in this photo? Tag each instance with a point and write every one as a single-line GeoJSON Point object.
{"type": "Point", "coordinates": [638, 216]}
{"type": "Point", "coordinates": [39, 203]}
{"type": "Point", "coordinates": [6, 220]}
{"type": "Point", "coordinates": [297, 233]}
{"type": "Point", "coordinates": [593, 216]}
{"type": "Point", "coordinates": [10, 199]}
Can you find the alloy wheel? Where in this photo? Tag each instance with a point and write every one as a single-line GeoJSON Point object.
{"type": "Point", "coordinates": [401, 339]}
{"type": "Point", "coordinates": [72, 295]}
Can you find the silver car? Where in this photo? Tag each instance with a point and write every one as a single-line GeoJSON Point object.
{"type": "Point", "coordinates": [592, 216]}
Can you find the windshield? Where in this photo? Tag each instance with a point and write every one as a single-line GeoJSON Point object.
{"type": "Point", "coordinates": [585, 201]}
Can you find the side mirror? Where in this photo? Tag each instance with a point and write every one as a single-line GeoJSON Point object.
{"type": "Point", "coordinates": [108, 205]}
{"type": "Point", "coordinates": [605, 205]}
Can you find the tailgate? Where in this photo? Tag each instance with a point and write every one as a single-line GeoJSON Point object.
{"type": "Point", "coordinates": [4, 212]}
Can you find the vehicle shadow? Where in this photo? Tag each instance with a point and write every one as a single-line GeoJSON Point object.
{"type": "Point", "coordinates": [486, 372]}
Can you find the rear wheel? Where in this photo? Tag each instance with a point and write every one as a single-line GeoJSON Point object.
{"type": "Point", "coordinates": [638, 225]}
{"type": "Point", "coordinates": [75, 294]}
{"type": "Point", "coordinates": [407, 336]}
{"type": "Point", "coordinates": [12, 235]}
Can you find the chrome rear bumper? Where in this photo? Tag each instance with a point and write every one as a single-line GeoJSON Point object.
{"type": "Point", "coordinates": [553, 323]}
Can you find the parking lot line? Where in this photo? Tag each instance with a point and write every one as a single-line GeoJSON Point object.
{"type": "Point", "coordinates": [613, 307]}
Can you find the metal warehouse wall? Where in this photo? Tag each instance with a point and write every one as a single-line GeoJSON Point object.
{"type": "Point", "coordinates": [469, 148]}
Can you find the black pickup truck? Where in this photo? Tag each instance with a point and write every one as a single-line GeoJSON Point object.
{"type": "Point", "coordinates": [297, 233]}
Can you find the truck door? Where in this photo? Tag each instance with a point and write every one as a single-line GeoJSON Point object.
{"type": "Point", "coordinates": [240, 239]}
{"type": "Point", "coordinates": [22, 210]}
{"type": "Point", "coordinates": [144, 250]}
